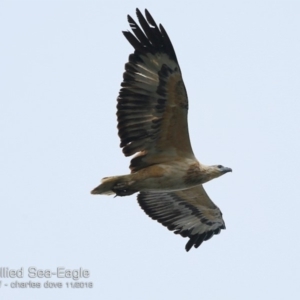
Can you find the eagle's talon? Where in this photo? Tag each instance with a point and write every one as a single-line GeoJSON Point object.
{"type": "Point", "coordinates": [120, 190]}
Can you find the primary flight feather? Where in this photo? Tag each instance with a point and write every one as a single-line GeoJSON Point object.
{"type": "Point", "coordinates": [152, 123]}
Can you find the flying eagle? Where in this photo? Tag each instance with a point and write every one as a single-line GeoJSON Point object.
{"type": "Point", "coordinates": [152, 123]}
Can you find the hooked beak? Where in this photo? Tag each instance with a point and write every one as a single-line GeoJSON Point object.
{"type": "Point", "coordinates": [226, 170]}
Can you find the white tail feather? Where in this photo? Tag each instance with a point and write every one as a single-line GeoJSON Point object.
{"type": "Point", "coordinates": [105, 188]}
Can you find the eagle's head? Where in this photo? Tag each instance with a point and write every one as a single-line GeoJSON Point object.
{"type": "Point", "coordinates": [218, 170]}
{"type": "Point", "coordinates": [208, 173]}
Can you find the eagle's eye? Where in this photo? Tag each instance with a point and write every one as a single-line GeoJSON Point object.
{"type": "Point", "coordinates": [220, 167]}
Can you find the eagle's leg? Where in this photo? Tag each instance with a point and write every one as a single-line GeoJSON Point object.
{"type": "Point", "coordinates": [121, 189]}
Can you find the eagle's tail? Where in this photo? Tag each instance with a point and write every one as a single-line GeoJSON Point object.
{"type": "Point", "coordinates": [106, 186]}
{"type": "Point", "coordinates": [114, 185]}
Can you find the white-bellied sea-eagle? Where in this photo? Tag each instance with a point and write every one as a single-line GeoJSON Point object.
{"type": "Point", "coordinates": [152, 123]}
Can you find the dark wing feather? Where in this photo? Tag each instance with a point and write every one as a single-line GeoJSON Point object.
{"type": "Point", "coordinates": [189, 213]}
{"type": "Point", "coordinates": [152, 103]}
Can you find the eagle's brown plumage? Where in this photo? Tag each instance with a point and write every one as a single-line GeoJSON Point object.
{"type": "Point", "coordinates": [152, 124]}
{"type": "Point", "coordinates": [189, 213]}
{"type": "Point", "coordinates": [152, 104]}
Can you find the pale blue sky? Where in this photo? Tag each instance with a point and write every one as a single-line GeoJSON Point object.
{"type": "Point", "coordinates": [61, 69]}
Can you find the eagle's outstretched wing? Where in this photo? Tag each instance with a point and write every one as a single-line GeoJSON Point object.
{"type": "Point", "coordinates": [189, 213]}
{"type": "Point", "coordinates": [152, 103]}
